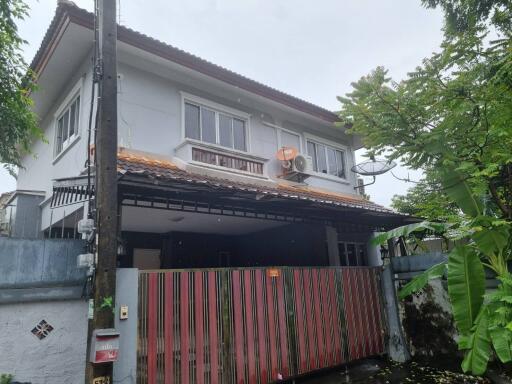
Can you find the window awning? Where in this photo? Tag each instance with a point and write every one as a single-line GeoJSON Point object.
{"type": "Point", "coordinates": [72, 190]}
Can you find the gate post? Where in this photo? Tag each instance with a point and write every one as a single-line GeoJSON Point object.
{"type": "Point", "coordinates": [127, 293]}
{"type": "Point", "coordinates": [397, 345]}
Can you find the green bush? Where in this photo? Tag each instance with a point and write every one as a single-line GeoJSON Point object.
{"type": "Point", "coordinates": [6, 378]}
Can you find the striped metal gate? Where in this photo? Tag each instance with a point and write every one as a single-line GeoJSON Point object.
{"type": "Point", "coordinates": [255, 325]}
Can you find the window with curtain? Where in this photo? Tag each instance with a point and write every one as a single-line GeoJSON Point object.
{"type": "Point", "coordinates": [327, 159]}
{"type": "Point", "coordinates": [211, 126]}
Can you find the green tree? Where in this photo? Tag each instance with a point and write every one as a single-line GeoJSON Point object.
{"type": "Point", "coordinates": [426, 200]}
{"type": "Point", "coordinates": [18, 123]}
{"type": "Point", "coordinates": [452, 117]}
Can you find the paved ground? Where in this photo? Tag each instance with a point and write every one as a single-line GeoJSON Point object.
{"type": "Point", "coordinates": [380, 372]}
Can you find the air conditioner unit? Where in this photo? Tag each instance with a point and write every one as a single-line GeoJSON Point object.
{"type": "Point", "coordinates": [299, 168]}
{"type": "Point", "coordinates": [302, 163]}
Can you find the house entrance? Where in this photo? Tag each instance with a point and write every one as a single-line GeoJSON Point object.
{"type": "Point", "coordinates": [181, 240]}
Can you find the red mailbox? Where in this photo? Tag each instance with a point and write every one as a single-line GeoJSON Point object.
{"type": "Point", "coordinates": [104, 346]}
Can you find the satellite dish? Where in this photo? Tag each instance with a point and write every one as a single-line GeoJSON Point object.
{"type": "Point", "coordinates": [372, 167]}
{"type": "Point", "coordinates": [286, 153]}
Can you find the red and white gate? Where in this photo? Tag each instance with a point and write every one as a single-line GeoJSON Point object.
{"type": "Point", "coordinates": [255, 325]}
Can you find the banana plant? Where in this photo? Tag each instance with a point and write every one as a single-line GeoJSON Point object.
{"type": "Point", "coordinates": [484, 321]}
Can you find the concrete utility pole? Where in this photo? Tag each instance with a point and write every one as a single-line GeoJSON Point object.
{"type": "Point", "coordinates": [106, 185]}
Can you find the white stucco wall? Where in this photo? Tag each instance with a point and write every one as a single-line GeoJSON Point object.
{"type": "Point", "coordinates": [149, 119]}
{"type": "Point", "coordinates": [41, 167]}
{"type": "Point", "coordinates": [57, 359]}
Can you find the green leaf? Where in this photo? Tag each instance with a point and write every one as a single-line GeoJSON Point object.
{"type": "Point", "coordinates": [421, 280]}
{"type": "Point", "coordinates": [502, 342]}
{"type": "Point", "coordinates": [457, 188]}
{"type": "Point", "coordinates": [478, 345]}
{"type": "Point", "coordinates": [491, 241]}
{"type": "Point", "coordinates": [407, 230]}
{"type": "Point", "coordinates": [466, 286]}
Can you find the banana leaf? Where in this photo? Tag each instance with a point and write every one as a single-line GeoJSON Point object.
{"type": "Point", "coordinates": [406, 230]}
{"type": "Point", "coordinates": [478, 345]}
{"type": "Point", "coordinates": [491, 241]}
{"type": "Point", "coordinates": [466, 286]}
{"type": "Point", "coordinates": [419, 281]}
{"type": "Point", "coordinates": [502, 342]}
{"type": "Point", "coordinates": [460, 192]}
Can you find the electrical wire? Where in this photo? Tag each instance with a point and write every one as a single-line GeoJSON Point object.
{"type": "Point", "coordinates": [88, 287]}
{"type": "Point", "coordinates": [91, 109]}
{"type": "Point", "coordinates": [407, 180]}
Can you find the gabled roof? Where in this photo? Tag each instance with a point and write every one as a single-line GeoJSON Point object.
{"type": "Point", "coordinates": [68, 12]}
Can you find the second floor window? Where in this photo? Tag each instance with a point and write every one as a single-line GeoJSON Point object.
{"type": "Point", "coordinates": [327, 159]}
{"type": "Point", "coordinates": [67, 126]}
{"type": "Point", "coordinates": [289, 139]}
{"type": "Point", "coordinates": [211, 126]}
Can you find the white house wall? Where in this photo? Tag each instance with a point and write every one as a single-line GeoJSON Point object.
{"type": "Point", "coordinates": [149, 119]}
{"type": "Point", "coordinates": [40, 168]}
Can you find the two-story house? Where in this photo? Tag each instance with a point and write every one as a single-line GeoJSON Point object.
{"type": "Point", "coordinates": [215, 171]}
{"type": "Point", "coordinates": [200, 144]}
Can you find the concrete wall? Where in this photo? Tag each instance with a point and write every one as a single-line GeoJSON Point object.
{"type": "Point", "coordinates": [59, 358]}
{"type": "Point", "coordinates": [428, 322]}
{"type": "Point", "coordinates": [26, 222]}
{"type": "Point", "coordinates": [40, 263]}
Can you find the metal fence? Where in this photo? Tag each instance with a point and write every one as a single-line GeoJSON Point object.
{"type": "Point", "coordinates": [255, 325]}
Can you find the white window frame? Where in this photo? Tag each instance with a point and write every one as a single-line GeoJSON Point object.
{"type": "Point", "coordinates": [279, 130]}
{"type": "Point", "coordinates": [218, 109]}
{"type": "Point", "coordinates": [73, 94]}
{"type": "Point", "coordinates": [334, 145]}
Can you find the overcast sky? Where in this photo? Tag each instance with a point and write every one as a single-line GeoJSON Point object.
{"type": "Point", "coordinates": [310, 49]}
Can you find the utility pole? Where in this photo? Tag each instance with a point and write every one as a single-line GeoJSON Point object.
{"type": "Point", "coordinates": [106, 186]}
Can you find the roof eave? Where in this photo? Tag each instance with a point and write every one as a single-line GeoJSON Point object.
{"type": "Point", "coordinates": [68, 12]}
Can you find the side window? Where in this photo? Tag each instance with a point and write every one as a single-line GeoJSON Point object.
{"type": "Point", "coordinates": [67, 126]}
{"type": "Point", "coordinates": [192, 127]}
{"type": "Point", "coordinates": [327, 159]}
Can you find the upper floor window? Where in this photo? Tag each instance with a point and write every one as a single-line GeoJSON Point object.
{"type": "Point", "coordinates": [289, 139]}
{"type": "Point", "coordinates": [327, 159]}
{"type": "Point", "coordinates": [215, 127]}
{"type": "Point", "coordinates": [67, 126]}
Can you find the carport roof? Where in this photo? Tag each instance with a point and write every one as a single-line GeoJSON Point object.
{"type": "Point", "coordinates": [155, 170]}
{"type": "Point", "coordinates": [146, 180]}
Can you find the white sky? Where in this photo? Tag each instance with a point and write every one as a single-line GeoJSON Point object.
{"type": "Point", "coordinates": [310, 49]}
